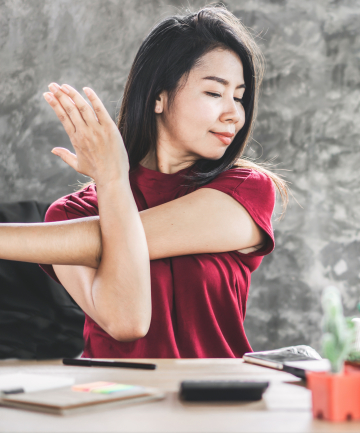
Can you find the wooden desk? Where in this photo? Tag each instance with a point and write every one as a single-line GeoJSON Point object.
{"type": "Point", "coordinates": [286, 406]}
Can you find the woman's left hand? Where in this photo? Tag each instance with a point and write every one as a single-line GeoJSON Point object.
{"type": "Point", "coordinates": [99, 149]}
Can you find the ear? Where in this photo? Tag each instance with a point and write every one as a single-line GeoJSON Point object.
{"type": "Point", "coordinates": [160, 103]}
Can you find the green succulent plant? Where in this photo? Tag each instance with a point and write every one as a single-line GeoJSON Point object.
{"type": "Point", "coordinates": [338, 331]}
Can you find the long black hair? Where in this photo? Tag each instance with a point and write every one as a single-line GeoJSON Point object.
{"type": "Point", "coordinates": [169, 52]}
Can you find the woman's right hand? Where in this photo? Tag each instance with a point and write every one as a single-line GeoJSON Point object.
{"type": "Point", "coordinates": [99, 149]}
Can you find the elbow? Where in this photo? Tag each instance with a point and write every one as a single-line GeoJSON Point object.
{"type": "Point", "coordinates": [130, 333]}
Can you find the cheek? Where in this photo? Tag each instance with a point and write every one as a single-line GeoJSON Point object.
{"type": "Point", "coordinates": [192, 119]}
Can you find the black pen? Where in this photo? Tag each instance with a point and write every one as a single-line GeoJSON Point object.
{"type": "Point", "coordinates": [89, 362]}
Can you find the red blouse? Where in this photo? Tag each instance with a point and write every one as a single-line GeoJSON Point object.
{"type": "Point", "coordinates": [199, 300]}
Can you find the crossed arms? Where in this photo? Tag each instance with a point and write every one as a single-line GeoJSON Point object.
{"type": "Point", "coordinates": [205, 221]}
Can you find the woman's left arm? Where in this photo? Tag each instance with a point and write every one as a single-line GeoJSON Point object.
{"type": "Point", "coordinates": [119, 299]}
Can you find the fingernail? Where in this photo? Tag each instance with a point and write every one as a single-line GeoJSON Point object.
{"type": "Point", "coordinates": [48, 97]}
{"type": "Point", "coordinates": [54, 152]}
{"type": "Point", "coordinates": [87, 91]}
{"type": "Point", "coordinates": [54, 87]}
{"type": "Point", "coordinates": [65, 88]}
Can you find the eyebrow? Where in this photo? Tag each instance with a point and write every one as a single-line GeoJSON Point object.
{"type": "Point", "coordinates": [223, 81]}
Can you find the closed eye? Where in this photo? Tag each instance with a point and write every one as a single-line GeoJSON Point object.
{"type": "Point", "coordinates": [216, 95]}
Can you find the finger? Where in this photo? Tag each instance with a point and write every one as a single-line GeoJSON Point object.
{"type": "Point", "coordinates": [60, 112]}
{"type": "Point", "coordinates": [84, 108]}
{"type": "Point", "coordinates": [68, 105]}
{"type": "Point", "coordinates": [98, 106]}
{"type": "Point", "coordinates": [66, 156]}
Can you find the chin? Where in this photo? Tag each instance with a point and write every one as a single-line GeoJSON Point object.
{"type": "Point", "coordinates": [210, 152]}
{"type": "Point", "coordinates": [215, 155]}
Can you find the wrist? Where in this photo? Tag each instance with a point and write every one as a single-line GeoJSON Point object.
{"type": "Point", "coordinates": [109, 182]}
{"type": "Point", "coordinates": [117, 177]}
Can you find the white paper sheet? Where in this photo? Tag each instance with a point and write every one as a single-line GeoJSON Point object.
{"type": "Point", "coordinates": [33, 382]}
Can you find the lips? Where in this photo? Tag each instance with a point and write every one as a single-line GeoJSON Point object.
{"type": "Point", "coordinates": [224, 137]}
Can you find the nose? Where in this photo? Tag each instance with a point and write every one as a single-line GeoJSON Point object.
{"type": "Point", "coordinates": [233, 112]}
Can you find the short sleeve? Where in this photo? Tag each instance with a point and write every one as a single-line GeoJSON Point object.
{"type": "Point", "coordinates": [256, 192]}
{"type": "Point", "coordinates": [80, 204]}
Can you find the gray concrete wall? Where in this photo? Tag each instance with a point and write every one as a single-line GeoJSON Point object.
{"type": "Point", "coordinates": [308, 119]}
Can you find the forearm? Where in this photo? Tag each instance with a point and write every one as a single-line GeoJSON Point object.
{"type": "Point", "coordinates": [121, 288]}
{"type": "Point", "coordinates": [74, 242]}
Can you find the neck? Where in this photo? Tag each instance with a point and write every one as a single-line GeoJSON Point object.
{"type": "Point", "coordinates": [164, 161]}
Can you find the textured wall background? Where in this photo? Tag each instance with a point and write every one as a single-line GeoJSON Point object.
{"type": "Point", "coordinates": [308, 119]}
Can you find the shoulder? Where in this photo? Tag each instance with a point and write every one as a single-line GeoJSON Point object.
{"type": "Point", "coordinates": [238, 178]}
{"type": "Point", "coordinates": [257, 190]}
{"type": "Point", "coordinates": [79, 204]}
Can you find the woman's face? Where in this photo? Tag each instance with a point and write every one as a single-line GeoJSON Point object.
{"type": "Point", "coordinates": [207, 111]}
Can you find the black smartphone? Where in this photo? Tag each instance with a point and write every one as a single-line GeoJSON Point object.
{"type": "Point", "coordinates": [222, 390]}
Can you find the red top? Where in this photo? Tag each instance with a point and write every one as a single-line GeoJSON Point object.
{"type": "Point", "coordinates": [199, 300]}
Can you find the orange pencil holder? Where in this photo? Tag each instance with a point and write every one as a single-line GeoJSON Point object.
{"type": "Point", "coordinates": [335, 396]}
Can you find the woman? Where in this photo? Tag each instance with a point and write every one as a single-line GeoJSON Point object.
{"type": "Point", "coordinates": [165, 270]}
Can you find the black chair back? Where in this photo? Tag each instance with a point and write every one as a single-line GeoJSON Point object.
{"type": "Point", "coordinates": [38, 318]}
